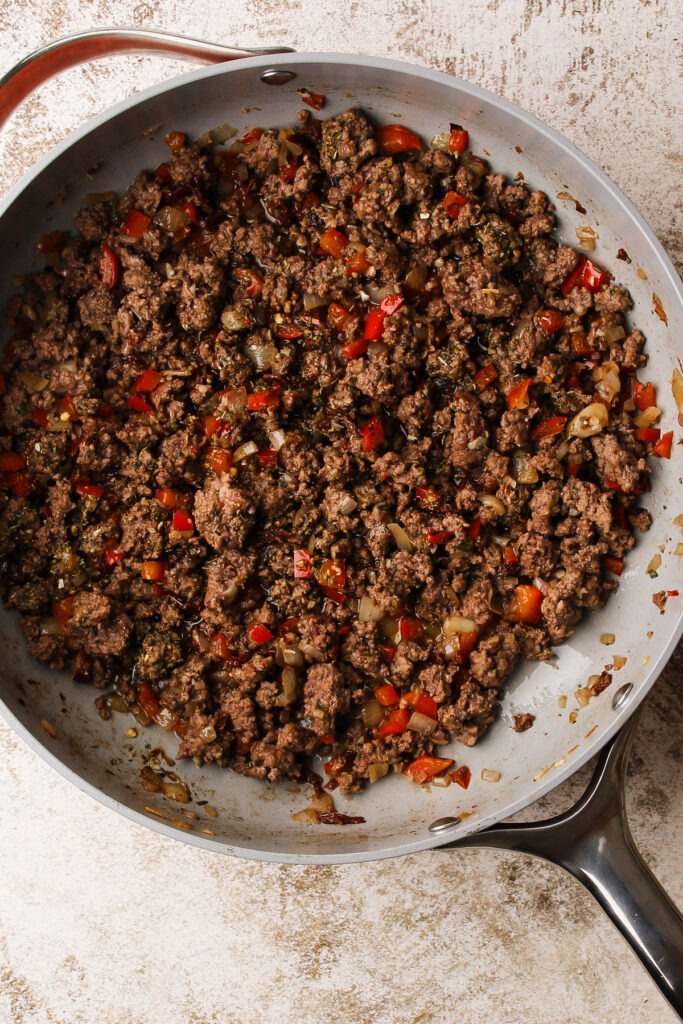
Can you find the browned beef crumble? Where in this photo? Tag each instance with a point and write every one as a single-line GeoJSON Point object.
{"type": "Point", "coordinates": [199, 538]}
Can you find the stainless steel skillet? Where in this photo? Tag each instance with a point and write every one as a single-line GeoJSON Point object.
{"type": "Point", "coordinates": [592, 841]}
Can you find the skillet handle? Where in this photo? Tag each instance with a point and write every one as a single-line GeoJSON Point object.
{"type": "Point", "coordinates": [75, 49]}
{"type": "Point", "coordinates": [593, 842]}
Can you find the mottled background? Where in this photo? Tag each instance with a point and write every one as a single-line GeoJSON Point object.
{"type": "Point", "coordinates": [102, 920]}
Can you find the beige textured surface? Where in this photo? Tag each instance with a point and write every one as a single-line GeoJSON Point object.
{"type": "Point", "coordinates": [101, 920]}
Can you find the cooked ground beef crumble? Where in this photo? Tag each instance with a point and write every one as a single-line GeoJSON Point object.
{"type": "Point", "coordinates": [308, 440]}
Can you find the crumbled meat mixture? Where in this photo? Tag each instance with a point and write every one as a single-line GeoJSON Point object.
{"type": "Point", "coordinates": [292, 455]}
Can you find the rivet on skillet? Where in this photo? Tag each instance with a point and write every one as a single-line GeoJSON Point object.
{"type": "Point", "coordinates": [443, 825]}
{"type": "Point", "coordinates": [276, 76]}
{"type": "Point", "coordinates": [620, 696]}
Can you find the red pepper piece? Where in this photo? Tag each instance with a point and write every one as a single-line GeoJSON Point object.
{"type": "Point", "coordinates": [586, 274]}
{"type": "Point", "coordinates": [453, 202]}
{"type": "Point", "coordinates": [394, 138]}
{"type": "Point", "coordinates": [510, 556]}
{"type": "Point", "coordinates": [374, 325]}
{"type": "Point", "coordinates": [428, 497]}
{"type": "Point", "coordinates": [148, 701]}
{"type": "Point", "coordinates": [175, 141]}
{"type": "Point", "coordinates": [411, 629]}
{"type": "Point", "coordinates": [663, 447]}
{"type": "Point", "coordinates": [17, 482]}
{"type": "Point", "coordinates": [334, 595]}
{"type": "Point", "coordinates": [63, 611]}
{"type": "Point", "coordinates": [148, 380]}
{"type": "Point", "coordinates": [388, 652]}
{"type": "Point", "coordinates": [39, 417]}
{"type": "Point", "coordinates": [153, 571]}
{"type": "Point", "coordinates": [526, 605]}
{"type": "Point", "coordinates": [259, 633]}
{"type": "Point", "coordinates": [212, 425]}
{"type": "Point", "coordinates": [54, 241]}
{"type": "Point", "coordinates": [312, 99]}
{"type": "Point", "coordinates": [135, 224]}
{"type": "Point", "coordinates": [644, 395]}
{"type": "Point", "coordinates": [458, 140]}
{"type": "Point", "coordinates": [110, 267]}
{"type": "Point", "coordinates": [140, 404]}
{"type": "Point", "coordinates": [518, 397]}
{"type": "Point", "coordinates": [162, 174]}
{"type": "Point", "coordinates": [422, 702]}
{"type": "Point", "coordinates": [11, 462]}
{"type": "Point", "coordinates": [86, 489]}
{"type": "Point", "coordinates": [613, 565]}
{"type": "Point", "coordinates": [358, 263]}
{"type": "Point", "coordinates": [551, 320]}
{"type": "Point", "coordinates": [390, 304]}
{"type": "Point", "coordinates": [182, 522]}
{"type": "Point", "coordinates": [549, 428]}
{"type": "Point", "coordinates": [267, 457]}
{"type": "Point", "coordinates": [252, 136]}
{"type": "Point", "coordinates": [395, 723]}
{"type": "Point", "coordinates": [386, 695]}
{"type": "Point", "coordinates": [332, 573]}
{"type": "Point", "coordinates": [263, 399]}
{"type": "Point", "coordinates": [372, 434]}
{"type": "Point", "coordinates": [252, 282]}
{"type": "Point", "coordinates": [461, 646]}
{"type": "Point", "coordinates": [3, 385]}
{"type": "Point", "coordinates": [288, 332]}
{"type": "Point", "coordinates": [581, 348]}
{"type": "Point", "coordinates": [190, 211]}
{"type": "Point", "coordinates": [647, 434]}
{"type": "Point", "coordinates": [218, 460]}
{"type": "Point", "coordinates": [167, 497]}
{"type": "Point", "coordinates": [354, 349]}
{"type": "Point", "coordinates": [333, 242]}
{"type": "Point", "coordinates": [302, 565]}
{"type": "Point", "coordinates": [485, 376]}
{"type": "Point", "coordinates": [474, 529]}
{"type": "Point", "coordinates": [462, 776]}
{"type": "Point", "coordinates": [220, 648]}
{"type": "Point", "coordinates": [424, 768]}
{"type": "Point", "coordinates": [337, 315]}
{"type": "Point", "coordinates": [438, 536]}
{"type": "Point", "coordinates": [112, 553]}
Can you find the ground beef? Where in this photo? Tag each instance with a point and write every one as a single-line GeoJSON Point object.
{"type": "Point", "coordinates": [280, 411]}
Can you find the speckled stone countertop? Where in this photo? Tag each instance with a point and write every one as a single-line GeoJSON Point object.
{"type": "Point", "coordinates": [102, 920]}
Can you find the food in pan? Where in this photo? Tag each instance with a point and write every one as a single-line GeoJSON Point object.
{"type": "Point", "coordinates": [309, 438]}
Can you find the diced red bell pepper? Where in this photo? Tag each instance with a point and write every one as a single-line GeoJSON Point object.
{"type": "Point", "coordinates": [190, 211]}
{"type": "Point", "coordinates": [453, 202]}
{"type": "Point", "coordinates": [259, 633]}
{"type": "Point", "coordinates": [374, 325]}
{"type": "Point", "coordinates": [112, 553]}
{"type": "Point", "coordinates": [644, 395]}
{"type": "Point", "coordinates": [17, 482]}
{"type": "Point", "coordinates": [148, 380]}
{"type": "Point", "coordinates": [175, 141]}
{"type": "Point", "coordinates": [251, 136]}
{"type": "Point", "coordinates": [510, 556]}
{"type": "Point", "coordinates": [372, 434]}
{"type": "Point", "coordinates": [663, 447]}
{"type": "Point", "coordinates": [332, 573]}
{"type": "Point", "coordinates": [212, 425]}
{"type": "Point", "coordinates": [526, 605]}
{"type": "Point", "coordinates": [386, 695]}
{"type": "Point", "coordinates": [422, 702]}
{"type": "Point", "coordinates": [458, 140]}
{"type": "Point", "coordinates": [518, 397]}
{"type": "Point", "coordinates": [648, 434]}
{"type": "Point", "coordinates": [586, 274]}
{"type": "Point", "coordinates": [337, 315]}
{"type": "Point", "coordinates": [438, 536]}
{"type": "Point", "coordinates": [288, 332]}
{"type": "Point", "coordinates": [388, 652]}
{"type": "Point", "coordinates": [220, 647]}
{"type": "Point", "coordinates": [11, 462]}
{"type": "Point", "coordinates": [218, 460]}
{"type": "Point", "coordinates": [148, 701]}
{"type": "Point", "coordinates": [572, 469]}
{"type": "Point", "coordinates": [167, 497]}
{"type": "Point", "coordinates": [461, 776]}
{"type": "Point", "coordinates": [135, 224]}
{"type": "Point", "coordinates": [267, 457]}
{"type": "Point", "coordinates": [63, 611]}
{"type": "Point", "coordinates": [551, 320]}
{"type": "Point", "coordinates": [302, 565]}
{"type": "Point", "coordinates": [162, 174]}
{"type": "Point", "coordinates": [252, 282]}
{"type": "Point", "coordinates": [411, 629]}
{"type": "Point", "coordinates": [474, 529]}
{"type": "Point", "coordinates": [395, 723]}
{"type": "Point", "coordinates": [549, 428]}
{"type": "Point", "coordinates": [461, 646]}
{"type": "Point", "coordinates": [334, 595]}
{"type": "Point", "coordinates": [88, 490]}
{"type": "Point", "coordinates": [333, 242]}
{"type": "Point", "coordinates": [258, 400]}
{"type": "Point", "coordinates": [428, 497]}
{"type": "Point", "coordinates": [424, 768]}
{"type": "Point", "coordinates": [394, 138]}
{"type": "Point", "coordinates": [581, 346]}
{"type": "Point", "coordinates": [485, 376]}
{"type": "Point", "coordinates": [309, 202]}
{"type": "Point", "coordinates": [40, 417]}
{"type": "Point", "coordinates": [67, 410]}
{"type": "Point", "coordinates": [110, 267]}
{"type": "Point", "coordinates": [391, 304]}
{"type": "Point", "coordinates": [153, 571]}
{"type": "Point", "coordinates": [613, 565]}
{"type": "Point", "coordinates": [183, 522]}
{"type": "Point", "coordinates": [139, 404]}
{"type": "Point", "coordinates": [354, 349]}
{"type": "Point", "coordinates": [312, 99]}
{"type": "Point", "coordinates": [357, 263]}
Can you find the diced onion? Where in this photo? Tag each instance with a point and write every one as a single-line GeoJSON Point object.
{"type": "Point", "coordinates": [561, 450]}
{"type": "Point", "coordinates": [525, 472]}
{"type": "Point", "coordinates": [232, 320]}
{"type": "Point", "coordinates": [648, 416]}
{"type": "Point", "coordinates": [541, 585]}
{"type": "Point", "coordinates": [309, 651]}
{"type": "Point", "coordinates": [307, 817]}
{"type": "Point", "coordinates": [373, 713]}
{"type": "Point", "coordinates": [289, 686]}
{"type": "Point", "coordinates": [491, 501]}
{"type": "Point", "coordinates": [607, 639]}
{"type": "Point", "coordinates": [216, 136]}
{"type": "Point", "coordinates": [368, 611]}
{"type": "Point", "coordinates": [207, 734]}
{"type": "Point", "coordinates": [277, 439]}
{"type": "Point", "coordinates": [607, 382]}
{"type": "Point", "coordinates": [614, 333]}
{"type": "Point", "coordinates": [49, 627]}
{"type": "Point", "coordinates": [377, 348]}
{"type": "Point", "coordinates": [347, 505]}
{"type": "Point", "coordinates": [589, 421]}
{"type": "Point", "coordinates": [441, 142]}
{"type": "Point", "coordinates": [677, 390]}
{"type": "Point", "coordinates": [377, 771]}
{"type": "Point", "coordinates": [583, 695]}
{"type": "Point", "coordinates": [586, 236]}
{"type": "Point", "coordinates": [293, 656]}
{"type": "Point", "coordinates": [313, 301]}
{"type": "Point", "coordinates": [234, 400]}
{"type": "Point", "coordinates": [171, 219]}
{"type": "Point", "coordinates": [175, 791]}
{"type": "Point", "coordinates": [654, 563]}
{"type": "Point", "coordinates": [377, 294]}
{"type": "Point", "coordinates": [262, 356]}
{"type": "Point", "coordinates": [459, 624]}
{"type": "Point", "coordinates": [403, 541]}
{"type": "Point", "coordinates": [244, 451]}
{"type": "Point", "coordinates": [475, 164]}
{"type": "Point", "coordinates": [477, 444]}
{"type": "Point", "coordinates": [489, 775]}
{"type": "Point", "coordinates": [422, 723]}
{"type": "Point", "coordinates": [33, 382]}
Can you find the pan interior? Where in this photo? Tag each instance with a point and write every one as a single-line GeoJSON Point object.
{"type": "Point", "coordinates": [254, 819]}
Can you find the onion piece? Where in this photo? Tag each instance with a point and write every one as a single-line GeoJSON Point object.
{"type": "Point", "coordinates": [277, 438]}
{"type": "Point", "coordinates": [614, 332]}
{"type": "Point", "coordinates": [231, 320]}
{"type": "Point", "coordinates": [524, 470]}
{"type": "Point", "coordinates": [368, 611]}
{"type": "Point", "coordinates": [648, 416]}
{"type": "Point", "coordinates": [313, 301]}
{"type": "Point", "coordinates": [489, 775]}
{"type": "Point", "coordinates": [491, 501]}
{"type": "Point", "coordinates": [373, 713]}
{"type": "Point", "coordinates": [234, 400]}
{"type": "Point", "coordinates": [677, 390]}
{"type": "Point", "coordinates": [262, 356]}
{"type": "Point", "coordinates": [91, 198]}
{"type": "Point", "coordinates": [459, 624]}
{"type": "Point", "coordinates": [306, 817]}
{"type": "Point", "coordinates": [49, 626]}
{"type": "Point", "coordinates": [244, 451]}
{"type": "Point", "coordinates": [377, 348]}
{"type": "Point", "coordinates": [475, 164]}
{"type": "Point", "coordinates": [377, 771]}
{"type": "Point", "coordinates": [403, 541]}
{"type": "Point", "coordinates": [541, 585]}
{"type": "Point", "coordinates": [207, 734]}
{"type": "Point", "coordinates": [347, 505]}
{"type": "Point", "coordinates": [586, 236]}
{"type": "Point", "coordinates": [289, 687]}
{"type": "Point", "coordinates": [441, 142]}
{"type": "Point", "coordinates": [293, 656]}
{"type": "Point", "coordinates": [607, 382]}
{"type": "Point", "coordinates": [33, 382]}
{"type": "Point", "coordinates": [589, 421]}
{"type": "Point", "coordinates": [377, 294]}
{"type": "Point", "coordinates": [422, 723]}
{"type": "Point", "coordinates": [171, 219]}
{"type": "Point", "coordinates": [177, 791]}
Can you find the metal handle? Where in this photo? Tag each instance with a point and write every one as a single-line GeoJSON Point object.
{"type": "Point", "coordinates": [593, 842]}
{"type": "Point", "coordinates": [69, 51]}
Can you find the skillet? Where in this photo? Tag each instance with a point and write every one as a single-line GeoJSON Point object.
{"type": "Point", "coordinates": [592, 840]}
